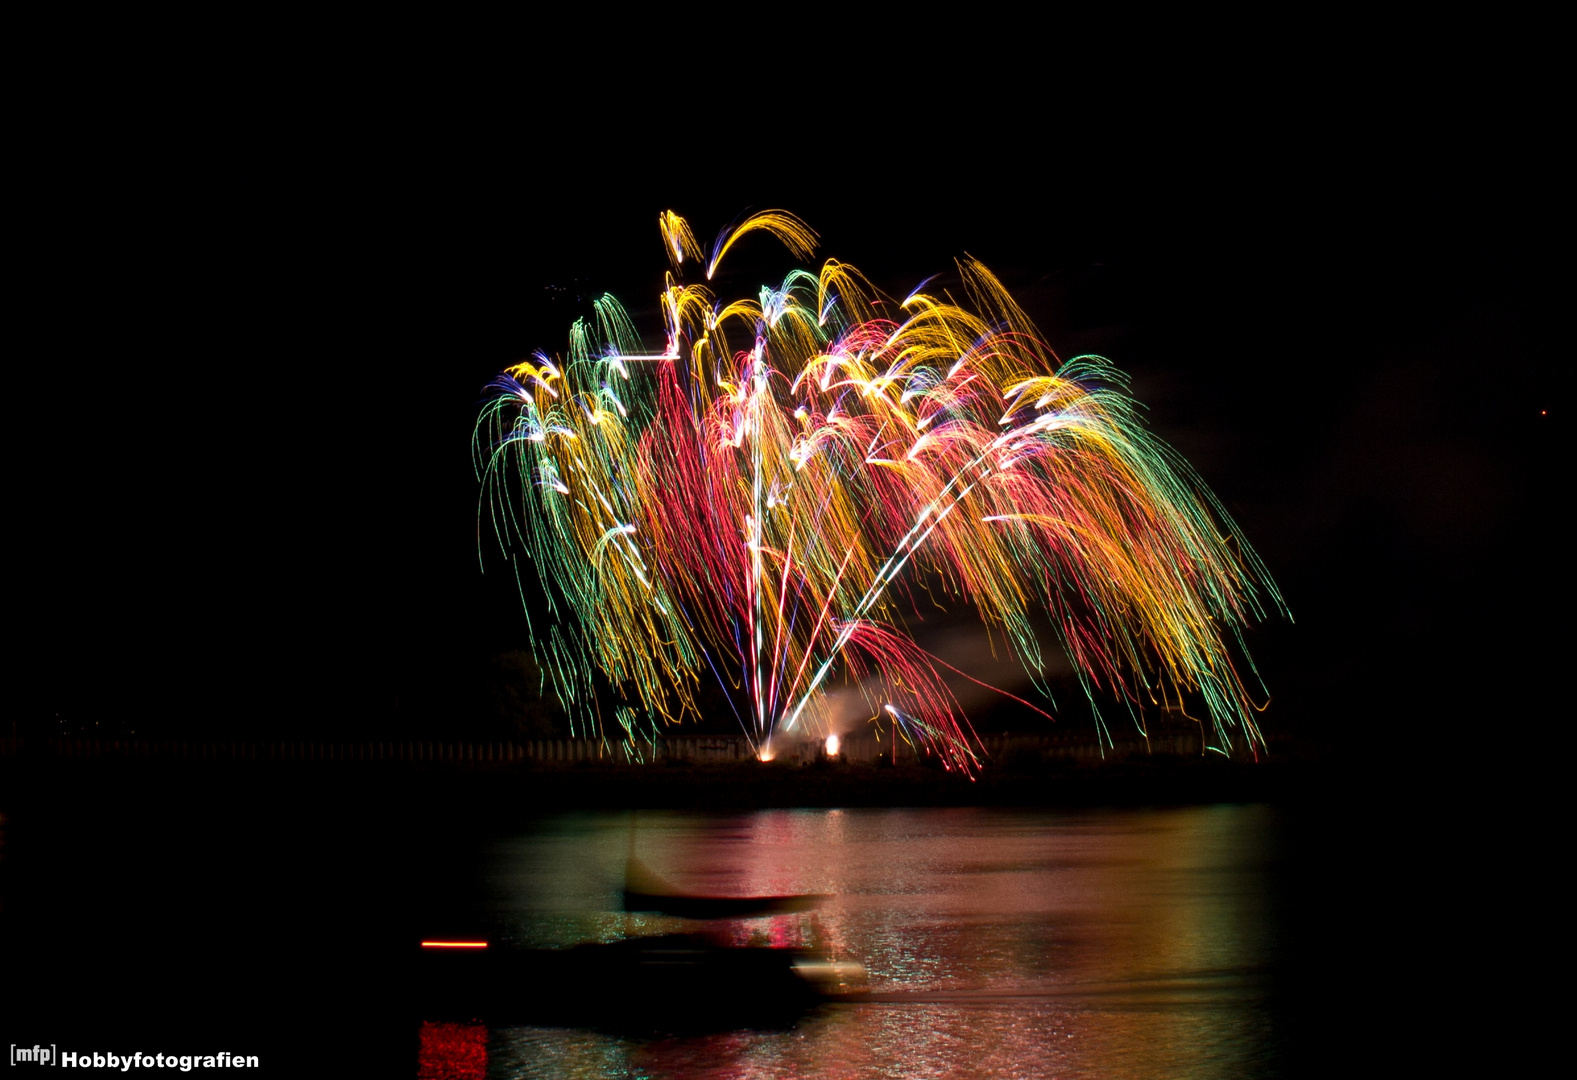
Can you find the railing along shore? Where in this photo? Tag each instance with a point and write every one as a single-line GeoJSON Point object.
{"type": "Point", "coordinates": [698, 749]}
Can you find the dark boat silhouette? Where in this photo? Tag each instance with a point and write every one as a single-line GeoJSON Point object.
{"type": "Point", "coordinates": [644, 891]}
{"type": "Point", "coordinates": [665, 982]}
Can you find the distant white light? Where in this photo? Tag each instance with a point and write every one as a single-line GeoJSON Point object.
{"type": "Point", "coordinates": [832, 746]}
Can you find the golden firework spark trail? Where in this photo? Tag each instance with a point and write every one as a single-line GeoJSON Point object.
{"type": "Point", "coordinates": [743, 503]}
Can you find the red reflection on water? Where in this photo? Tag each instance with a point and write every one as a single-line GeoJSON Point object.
{"type": "Point", "coordinates": [784, 932]}
{"type": "Point", "coordinates": [453, 1052]}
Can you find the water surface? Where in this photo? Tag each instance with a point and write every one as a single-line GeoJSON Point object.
{"type": "Point", "coordinates": [999, 943]}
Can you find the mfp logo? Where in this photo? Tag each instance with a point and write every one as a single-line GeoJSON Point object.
{"type": "Point", "coordinates": [43, 1055]}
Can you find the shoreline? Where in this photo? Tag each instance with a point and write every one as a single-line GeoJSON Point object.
{"type": "Point", "coordinates": [511, 789]}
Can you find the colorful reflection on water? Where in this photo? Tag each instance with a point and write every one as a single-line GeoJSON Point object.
{"type": "Point", "coordinates": [999, 943]}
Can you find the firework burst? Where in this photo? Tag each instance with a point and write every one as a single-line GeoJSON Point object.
{"type": "Point", "coordinates": [757, 501]}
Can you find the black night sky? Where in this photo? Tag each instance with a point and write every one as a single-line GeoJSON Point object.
{"type": "Point", "coordinates": [250, 417]}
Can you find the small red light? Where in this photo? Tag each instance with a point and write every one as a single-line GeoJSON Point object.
{"type": "Point", "coordinates": [454, 944]}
